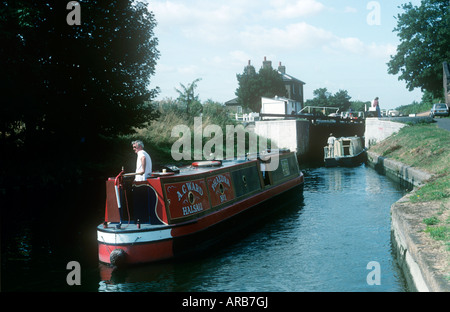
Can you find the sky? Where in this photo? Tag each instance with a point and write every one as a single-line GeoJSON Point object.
{"type": "Point", "coordinates": [333, 44]}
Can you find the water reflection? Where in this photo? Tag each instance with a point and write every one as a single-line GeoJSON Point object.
{"type": "Point", "coordinates": [139, 278]}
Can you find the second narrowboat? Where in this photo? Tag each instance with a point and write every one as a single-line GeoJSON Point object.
{"type": "Point", "coordinates": [344, 152]}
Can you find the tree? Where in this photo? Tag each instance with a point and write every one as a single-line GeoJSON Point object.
{"type": "Point", "coordinates": [270, 83]}
{"type": "Point", "coordinates": [424, 41]}
{"type": "Point", "coordinates": [341, 99]}
{"type": "Point", "coordinates": [323, 98]}
{"type": "Point", "coordinates": [66, 86]}
{"type": "Point", "coordinates": [360, 106]}
{"type": "Point", "coordinates": [248, 91]}
{"type": "Point", "coordinates": [252, 86]}
{"type": "Point", "coordinates": [188, 98]}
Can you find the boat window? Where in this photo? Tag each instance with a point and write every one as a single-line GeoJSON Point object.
{"type": "Point", "coordinates": [346, 147]}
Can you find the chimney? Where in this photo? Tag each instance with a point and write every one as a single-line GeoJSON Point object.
{"type": "Point", "coordinates": [281, 68]}
{"type": "Point", "coordinates": [267, 64]}
{"type": "Point", "coordinates": [249, 68]}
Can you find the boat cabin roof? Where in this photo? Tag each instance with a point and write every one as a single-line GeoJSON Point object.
{"type": "Point", "coordinates": [199, 167]}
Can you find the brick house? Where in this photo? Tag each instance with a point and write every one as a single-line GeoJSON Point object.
{"type": "Point", "coordinates": [294, 88]}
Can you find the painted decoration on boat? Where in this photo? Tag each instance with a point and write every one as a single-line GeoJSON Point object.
{"type": "Point", "coordinates": [187, 198]}
{"type": "Point", "coordinates": [220, 188]}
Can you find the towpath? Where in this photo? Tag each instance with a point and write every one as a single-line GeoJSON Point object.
{"type": "Point", "coordinates": [443, 123]}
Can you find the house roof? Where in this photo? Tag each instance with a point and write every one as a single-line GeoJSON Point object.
{"type": "Point", "coordinates": [287, 77]}
{"type": "Point", "coordinates": [279, 98]}
{"type": "Point", "coordinates": [233, 102]}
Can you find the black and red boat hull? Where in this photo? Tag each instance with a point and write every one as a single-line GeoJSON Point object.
{"type": "Point", "coordinates": [186, 213]}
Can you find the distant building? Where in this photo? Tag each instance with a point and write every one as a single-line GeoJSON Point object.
{"type": "Point", "coordinates": [294, 88]}
{"type": "Point", "coordinates": [233, 106]}
{"type": "Point", "coordinates": [279, 105]}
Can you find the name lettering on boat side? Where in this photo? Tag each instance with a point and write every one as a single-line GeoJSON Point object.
{"type": "Point", "coordinates": [192, 209]}
{"type": "Point", "coordinates": [220, 188]}
{"type": "Point", "coordinates": [188, 187]}
{"type": "Point", "coordinates": [220, 179]}
{"type": "Point", "coordinates": [187, 198]}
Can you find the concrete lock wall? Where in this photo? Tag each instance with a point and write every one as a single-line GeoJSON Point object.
{"type": "Point", "coordinates": [303, 137]}
{"type": "Point", "coordinates": [379, 129]}
{"type": "Point", "coordinates": [291, 134]}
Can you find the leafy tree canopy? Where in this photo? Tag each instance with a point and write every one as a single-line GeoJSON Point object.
{"type": "Point", "coordinates": [189, 99]}
{"type": "Point", "coordinates": [64, 86]}
{"type": "Point", "coordinates": [323, 98]}
{"type": "Point", "coordinates": [424, 34]}
{"type": "Point", "coordinates": [252, 86]}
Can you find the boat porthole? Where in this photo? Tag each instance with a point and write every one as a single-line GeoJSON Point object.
{"type": "Point", "coordinates": [191, 198]}
{"type": "Point", "coordinates": [244, 179]}
{"type": "Point", "coordinates": [221, 188]}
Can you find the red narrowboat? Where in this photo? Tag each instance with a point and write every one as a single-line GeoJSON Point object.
{"type": "Point", "coordinates": [179, 211]}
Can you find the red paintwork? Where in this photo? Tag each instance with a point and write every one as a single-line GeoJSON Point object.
{"type": "Point", "coordinates": [186, 198]}
{"type": "Point", "coordinates": [139, 253]}
{"type": "Point", "coordinates": [232, 210]}
{"type": "Point", "coordinates": [220, 188]}
{"type": "Point", "coordinates": [193, 201]}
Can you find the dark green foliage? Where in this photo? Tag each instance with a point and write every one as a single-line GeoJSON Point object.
{"type": "Point", "coordinates": [252, 86]}
{"type": "Point", "coordinates": [323, 98]}
{"type": "Point", "coordinates": [424, 34]}
{"type": "Point", "coordinates": [64, 88]}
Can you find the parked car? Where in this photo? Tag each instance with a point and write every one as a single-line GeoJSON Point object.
{"type": "Point", "coordinates": [439, 109]}
{"type": "Point", "coordinates": [393, 113]}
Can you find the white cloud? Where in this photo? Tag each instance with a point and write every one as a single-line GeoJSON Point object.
{"type": "Point", "coordinates": [286, 9]}
{"type": "Point", "coordinates": [293, 36]}
{"type": "Point", "coordinates": [214, 40]}
{"type": "Point", "coordinates": [167, 12]}
{"type": "Point", "coordinates": [303, 36]}
{"type": "Point", "coordinates": [197, 20]}
{"type": "Point", "coordinates": [217, 22]}
{"type": "Point", "coordinates": [358, 47]}
{"type": "Point", "coordinates": [350, 44]}
{"type": "Point", "coordinates": [382, 50]}
{"type": "Point", "coordinates": [239, 57]}
{"type": "Point", "coordinates": [246, 26]}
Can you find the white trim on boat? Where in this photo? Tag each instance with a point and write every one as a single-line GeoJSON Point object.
{"type": "Point", "coordinates": [133, 237]}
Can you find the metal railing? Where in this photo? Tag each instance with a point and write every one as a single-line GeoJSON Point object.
{"type": "Point", "coordinates": [318, 109]}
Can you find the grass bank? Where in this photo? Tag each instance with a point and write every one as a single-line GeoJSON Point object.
{"type": "Point", "coordinates": [425, 147]}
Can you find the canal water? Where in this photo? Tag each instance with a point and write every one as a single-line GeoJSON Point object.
{"type": "Point", "coordinates": [333, 237]}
